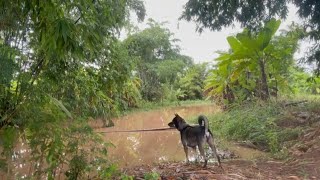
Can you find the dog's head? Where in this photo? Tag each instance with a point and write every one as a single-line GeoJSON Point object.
{"type": "Point", "coordinates": [176, 122]}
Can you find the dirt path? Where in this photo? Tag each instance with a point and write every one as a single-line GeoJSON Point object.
{"type": "Point", "coordinates": [233, 169]}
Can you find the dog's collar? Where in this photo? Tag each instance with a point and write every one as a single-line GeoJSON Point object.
{"type": "Point", "coordinates": [185, 128]}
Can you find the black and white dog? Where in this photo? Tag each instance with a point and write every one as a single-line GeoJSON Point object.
{"type": "Point", "coordinates": [193, 136]}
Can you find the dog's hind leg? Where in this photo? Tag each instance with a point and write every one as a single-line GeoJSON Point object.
{"type": "Point", "coordinates": [213, 148]}
{"type": "Point", "coordinates": [202, 153]}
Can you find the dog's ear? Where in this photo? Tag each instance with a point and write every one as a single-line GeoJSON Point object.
{"type": "Point", "coordinates": [177, 115]}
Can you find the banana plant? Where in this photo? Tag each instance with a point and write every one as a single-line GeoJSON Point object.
{"type": "Point", "coordinates": [245, 61]}
{"type": "Point", "coordinates": [218, 81]}
{"type": "Point", "coordinates": [249, 49]}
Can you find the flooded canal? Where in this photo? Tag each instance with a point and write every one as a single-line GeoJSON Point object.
{"type": "Point", "coordinates": [134, 148]}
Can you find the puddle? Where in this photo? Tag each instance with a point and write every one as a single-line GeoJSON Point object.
{"type": "Point", "coordinates": [234, 150]}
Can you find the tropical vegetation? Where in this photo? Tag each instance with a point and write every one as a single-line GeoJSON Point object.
{"type": "Point", "coordinates": [63, 64]}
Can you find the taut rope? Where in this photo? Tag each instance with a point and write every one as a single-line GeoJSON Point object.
{"type": "Point", "coordinates": [137, 130]}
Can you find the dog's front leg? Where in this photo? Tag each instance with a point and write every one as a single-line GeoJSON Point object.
{"type": "Point", "coordinates": [185, 147]}
{"type": "Point", "coordinates": [196, 154]}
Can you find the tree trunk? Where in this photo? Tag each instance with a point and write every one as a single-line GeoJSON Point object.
{"type": "Point", "coordinates": [264, 84]}
{"type": "Point", "coordinates": [228, 95]}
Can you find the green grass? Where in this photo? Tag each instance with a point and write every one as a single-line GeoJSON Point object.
{"type": "Point", "coordinates": [148, 106]}
{"type": "Point", "coordinates": [257, 122]}
{"type": "Point", "coordinates": [151, 176]}
{"type": "Point", "coordinates": [156, 105]}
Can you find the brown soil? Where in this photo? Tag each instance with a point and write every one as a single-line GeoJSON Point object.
{"type": "Point", "coordinates": [303, 161]}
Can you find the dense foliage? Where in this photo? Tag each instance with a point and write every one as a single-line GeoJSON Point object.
{"type": "Point", "coordinates": [257, 65]}
{"type": "Point", "coordinates": [215, 14]}
{"type": "Point", "coordinates": [60, 63]}
{"type": "Point", "coordinates": [161, 67]}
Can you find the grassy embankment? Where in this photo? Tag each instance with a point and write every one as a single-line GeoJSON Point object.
{"type": "Point", "coordinates": [272, 126]}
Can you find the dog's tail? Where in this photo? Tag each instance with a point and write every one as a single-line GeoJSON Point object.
{"type": "Point", "coordinates": [203, 121]}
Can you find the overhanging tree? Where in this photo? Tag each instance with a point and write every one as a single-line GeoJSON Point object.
{"type": "Point", "coordinates": [215, 14]}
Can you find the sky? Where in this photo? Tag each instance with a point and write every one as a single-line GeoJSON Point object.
{"type": "Point", "coordinates": [201, 47]}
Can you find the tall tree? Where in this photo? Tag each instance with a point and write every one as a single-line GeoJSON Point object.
{"type": "Point", "coordinates": [155, 49]}
{"type": "Point", "coordinates": [191, 81]}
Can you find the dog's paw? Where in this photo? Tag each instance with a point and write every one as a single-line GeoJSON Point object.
{"type": "Point", "coordinates": [205, 164]}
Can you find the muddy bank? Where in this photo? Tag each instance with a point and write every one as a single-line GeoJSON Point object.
{"type": "Point", "coordinates": [232, 169]}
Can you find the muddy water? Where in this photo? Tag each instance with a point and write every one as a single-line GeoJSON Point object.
{"type": "Point", "coordinates": [150, 147]}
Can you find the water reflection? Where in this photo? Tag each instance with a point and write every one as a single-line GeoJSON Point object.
{"type": "Point", "coordinates": [150, 147]}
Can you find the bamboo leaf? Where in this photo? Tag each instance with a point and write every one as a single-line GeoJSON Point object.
{"type": "Point", "coordinates": [61, 106]}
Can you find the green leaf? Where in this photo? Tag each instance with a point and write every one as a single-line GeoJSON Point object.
{"type": "Point", "coordinates": [273, 25]}
{"type": "Point", "coordinates": [61, 106]}
{"type": "Point", "coordinates": [247, 41]}
{"type": "Point", "coordinates": [265, 35]}
{"type": "Point", "coordinates": [234, 43]}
